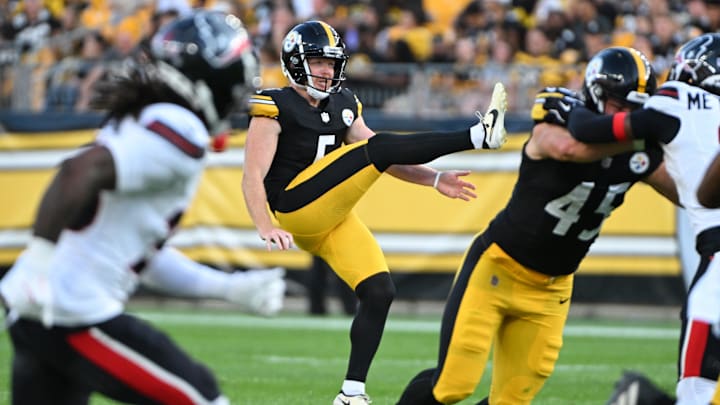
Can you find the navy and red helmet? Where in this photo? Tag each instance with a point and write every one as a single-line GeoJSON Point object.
{"type": "Point", "coordinates": [207, 58]}
{"type": "Point", "coordinates": [697, 63]}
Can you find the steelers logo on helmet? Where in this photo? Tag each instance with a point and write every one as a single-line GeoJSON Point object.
{"type": "Point", "coordinates": [639, 162]}
{"type": "Point", "coordinates": [348, 116]}
{"type": "Point", "coordinates": [593, 68]}
{"type": "Point", "coordinates": [291, 40]}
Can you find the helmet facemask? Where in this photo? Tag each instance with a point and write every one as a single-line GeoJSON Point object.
{"type": "Point", "coordinates": [207, 59]}
{"type": "Point", "coordinates": [621, 74]}
{"type": "Point", "coordinates": [698, 63]}
{"type": "Point", "coordinates": [597, 89]}
{"type": "Point", "coordinates": [697, 72]}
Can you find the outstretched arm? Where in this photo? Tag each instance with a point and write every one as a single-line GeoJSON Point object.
{"type": "Point", "coordinates": [644, 123]}
{"type": "Point", "coordinates": [554, 142]}
{"type": "Point", "coordinates": [448, 183]}
{"type": "Point", "coordinates": [258, 292]}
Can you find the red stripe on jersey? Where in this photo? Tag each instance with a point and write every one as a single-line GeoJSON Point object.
{"type": "Point", "coordinates": [176, 139]}
{"type": "Point", "coordinates": [696, 344]}
{"type": "Point", "coordinates": [126, 369]}
{"type": "Point", "coordinates": [668, 92]}
{"type": "Point", "coordinates": [618, 126]}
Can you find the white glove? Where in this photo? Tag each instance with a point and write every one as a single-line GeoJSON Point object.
{"type": "Point", "coordinates": [260, 292]}
{"type": "Point", "coordinates": [26, 287]}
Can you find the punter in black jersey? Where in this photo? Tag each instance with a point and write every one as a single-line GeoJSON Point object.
{"type": "Point", "coordinates": [310, 157]}
{"type": "Point", "coordinates": [512, 292]}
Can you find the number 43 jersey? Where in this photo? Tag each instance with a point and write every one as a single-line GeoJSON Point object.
{"type": "Point", "coordinates": [557, 208]}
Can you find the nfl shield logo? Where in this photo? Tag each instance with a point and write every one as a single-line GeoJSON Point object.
{"type": "Point", "coordinates": [325, 117]}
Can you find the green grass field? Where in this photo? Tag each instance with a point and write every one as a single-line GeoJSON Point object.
{"type": "Point", "coordinates": [301, 360]}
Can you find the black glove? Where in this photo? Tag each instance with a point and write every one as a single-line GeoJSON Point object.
{"type": "Point", "coordinates": [553, 105]}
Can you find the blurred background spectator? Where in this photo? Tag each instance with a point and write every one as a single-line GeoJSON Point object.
{"type": "Point", "coordinates": [428, 57]}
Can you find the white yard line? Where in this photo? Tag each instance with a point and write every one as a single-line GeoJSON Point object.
{"type": "Point", "coordinates": [398, 325]}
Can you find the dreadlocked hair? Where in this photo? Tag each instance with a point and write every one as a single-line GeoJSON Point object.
{"type": "Point", "coordinates": [127, 90]}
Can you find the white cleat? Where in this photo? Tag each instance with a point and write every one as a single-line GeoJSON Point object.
{"type": "Point", "coordinates": [490, 132]}
{"type": "Point", "coordinates": [259, 292]}
{"type": "Point", "coordinates": [361, 399]}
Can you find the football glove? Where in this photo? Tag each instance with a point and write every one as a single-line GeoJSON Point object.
{"type": "Point", "coordinates": [554, 104]}
{"type": "Point", "coordinates": [258, 291]}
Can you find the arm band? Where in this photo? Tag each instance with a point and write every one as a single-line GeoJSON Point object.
{"type": "Point", "coordinates": [618, 127]}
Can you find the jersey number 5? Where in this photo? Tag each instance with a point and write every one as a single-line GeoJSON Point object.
{"type": "Point", "coordinates": [567, 209]}
{"type": "Point", "coordinates": [323, 142]}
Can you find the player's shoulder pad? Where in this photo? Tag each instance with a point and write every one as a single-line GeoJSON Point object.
{"type": "Point", "coordinates": [351, 98]}
{"type": "Point", "coordinates": [668, 90]}
{"type": "Point", "coordinates": [670, 96]}
{"type": "Point", "coordinates": [262, 103]}
{"type": "Point", "coordinates": [178, 126]}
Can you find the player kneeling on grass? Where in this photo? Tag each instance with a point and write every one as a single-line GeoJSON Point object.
{"type": "Point", "coordinates": [105, 217]}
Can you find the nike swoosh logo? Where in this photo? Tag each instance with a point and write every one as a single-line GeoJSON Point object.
{"type": "Point", "coordinates": [564, 300]}
{"type": "Point", "coordinates": [494, 114]}
{"type": "Point", "coordinates": [565, 107]}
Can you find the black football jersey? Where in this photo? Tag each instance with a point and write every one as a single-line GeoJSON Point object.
{"type": "Point", "coordinates": [556, 208]}
{"type": "Point", "coordinates": [307, 133]}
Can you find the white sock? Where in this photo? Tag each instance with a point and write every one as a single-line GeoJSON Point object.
{"type": "Point", "coordinates": [694, 390]}
{"type": "Point", "coordinates": [351, 387]}
{"type": "Point", "coordinates": [477, 135]}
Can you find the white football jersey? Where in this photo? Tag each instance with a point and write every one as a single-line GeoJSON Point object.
{"type": "Point", "coordinates": [689, 152]}
{"type": "Point", "coordinates": [158, 162]}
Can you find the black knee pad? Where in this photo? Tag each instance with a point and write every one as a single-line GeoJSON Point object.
{"type": "Point", "coordinates": [376, 289]}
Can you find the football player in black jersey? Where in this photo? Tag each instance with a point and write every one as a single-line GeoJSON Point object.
{"type": "Point", "coordinates": [310, 156]}
{"type": "Point", "coordinates": [683, 116]}
{"type": "Point", "coordinates": [513, 289]}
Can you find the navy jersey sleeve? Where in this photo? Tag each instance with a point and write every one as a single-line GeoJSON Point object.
{"type": "Point", "coordinates": [589, 127]}
{"type": "Point", "coordinates": [644, 123]}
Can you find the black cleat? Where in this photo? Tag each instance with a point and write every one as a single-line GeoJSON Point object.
{"type": "Point", "coordinates": [634, 388]}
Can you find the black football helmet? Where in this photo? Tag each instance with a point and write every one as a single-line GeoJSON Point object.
{"type": "Point", "coordinates": [313, 39]}
{"type": "Point", "coordinates": [620, 73]}
{"type": "Point", "coordinates": [697, 62]}
{"type": "Point", "coordinates": [207, 58]}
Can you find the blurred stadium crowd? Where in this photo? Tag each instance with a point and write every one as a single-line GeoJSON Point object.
{"type": "Point", "coordinates": [412, 57]}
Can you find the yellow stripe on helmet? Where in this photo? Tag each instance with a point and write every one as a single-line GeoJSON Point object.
{"type": "Point", "coordinates": [642, 68]}
{"type": "Point", "coordinates": [329, 33]}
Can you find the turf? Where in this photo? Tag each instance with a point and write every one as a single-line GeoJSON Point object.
{"type": "Point", "coordinates": [301, 360]}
